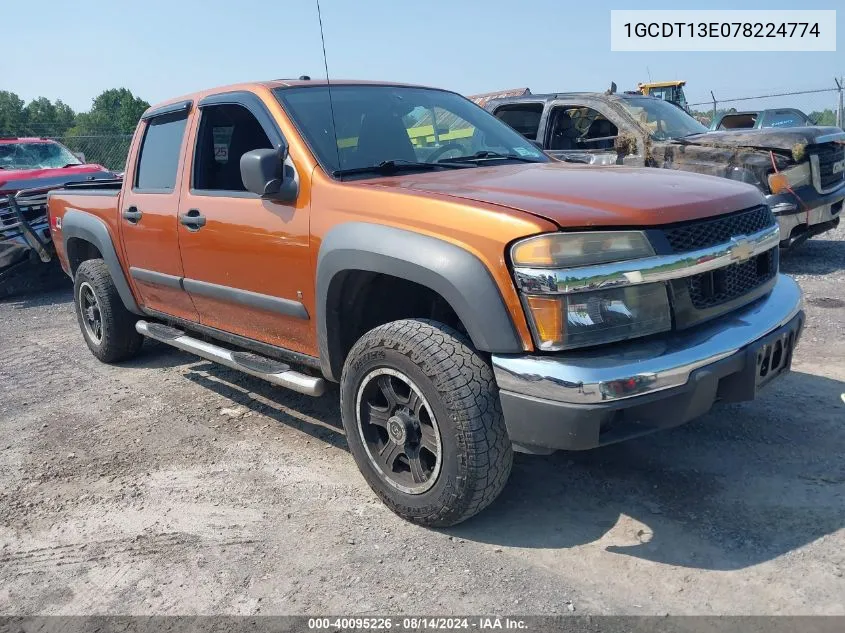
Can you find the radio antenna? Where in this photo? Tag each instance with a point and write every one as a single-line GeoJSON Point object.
{"type": "Point", "coordinates": [328, 85]}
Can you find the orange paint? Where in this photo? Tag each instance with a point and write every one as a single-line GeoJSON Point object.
{"type": "Point", "coordinates": [271, 247]}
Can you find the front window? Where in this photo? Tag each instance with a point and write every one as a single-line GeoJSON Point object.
{"type": "Point", "coordinates": [36, 155]}
{"type": "Point", "coordinates": [662, 119]}
{"type": "Point", "coordinates": [400, 125]}
{"type": "Point", "coordinates": [581, 128]}
{"type": "Point", "coordinates": [741, 121]}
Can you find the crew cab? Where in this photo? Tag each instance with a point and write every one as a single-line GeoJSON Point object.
{"type": "Point", "coordinates": [471, 295]}
{"type": "Point", "coordinates": [28, 168]}
{"type": "Point", "coordinates": [800, 170]}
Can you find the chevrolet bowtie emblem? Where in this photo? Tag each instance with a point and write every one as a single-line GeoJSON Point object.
{"type": "Point", "coordinates": [741, 249]}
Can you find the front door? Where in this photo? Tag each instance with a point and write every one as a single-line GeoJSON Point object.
{"type": "Point", "coordinates": [246, 260]}
{"type": "Point", "coordinates": [582, 134]}
{"type": "Point", "coordinates": [148, 215]}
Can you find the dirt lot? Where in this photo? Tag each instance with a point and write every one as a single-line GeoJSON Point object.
{"type": "Point", "coordinates": [169, 485]}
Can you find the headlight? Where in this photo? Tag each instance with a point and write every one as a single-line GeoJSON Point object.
{"type": "Point", "coordinates": [787, 179]}
{"type": "Point", "coordinates": [565, 321]}
{"type": "Point", "coordinates": [568, 250]}
{"type": "Point", "coordinates": [601, 316]}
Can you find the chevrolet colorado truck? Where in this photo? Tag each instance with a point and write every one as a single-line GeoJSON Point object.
{"type": "Point", "coordinates": [800, 170]}
{"type": "Point", "coordinates": [471, 296]}
{"type": "Point", "coordinates": [28, 168]}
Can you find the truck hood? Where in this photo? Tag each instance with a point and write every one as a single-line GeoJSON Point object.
{"type": "Point", "coordinates": [583, 196]}
{"type": "Point", "coordinates": [12, 180]}
{"type": "Point", "coordinates": [776, 139]}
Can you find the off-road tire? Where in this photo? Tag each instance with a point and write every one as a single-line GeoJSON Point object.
{"type": "Point", "coordinates": [458, 383]}
{"type": "Point", "coordinates": [119, 339]}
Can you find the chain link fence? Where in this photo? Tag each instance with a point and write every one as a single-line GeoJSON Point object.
{"type": "Point", "coordinates": [823, 105]}
{"type": "Point", "coordinates": [110, 150]}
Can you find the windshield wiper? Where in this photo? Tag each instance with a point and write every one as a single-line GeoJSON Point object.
{"type": "Point", "coordinates": [485, 154]}
{"type": "Point", "coordinates": [393, 166]}
{"type": "Point", "coordinates": [683, 139]}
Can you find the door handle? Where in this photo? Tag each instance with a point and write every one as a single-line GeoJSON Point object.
{"type": "Point", "coordinates": [132, 215]}
{"type": "Point", "coordinates": [193, 220]}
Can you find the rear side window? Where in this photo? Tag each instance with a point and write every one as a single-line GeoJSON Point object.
{"type": "Point", "coordinates": [784, 118]}
{"type": "Point", "coordinates": [524, 118]}
{"type": "Point", "coordinates": [159, 158]}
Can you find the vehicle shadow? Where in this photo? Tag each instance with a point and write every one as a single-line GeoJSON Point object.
{"type": "Point", "coordinates": [33, 281]}
{"type": "Point", "coordinates": [317, 417]}
{"type": "Point", "coordinates": [740, 486]}
{"type": "Point", "coordinates": [816, 256]}
{"type": "Point", "coordinates": [157, 355]}
{"type": "Point", "coordinates": [61, 293]}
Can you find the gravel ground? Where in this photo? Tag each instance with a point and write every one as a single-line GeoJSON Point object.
{"type": "Point", "coordinates": [168, 485]}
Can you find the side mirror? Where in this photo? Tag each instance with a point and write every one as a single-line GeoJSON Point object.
{"type": "Point", "coordinates": [263, 171]}
{"type": "Point", "coordinates": [79, 156]}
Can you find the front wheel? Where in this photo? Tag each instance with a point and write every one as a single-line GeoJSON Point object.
{"type": "Point", "coordinates": [423, 421]}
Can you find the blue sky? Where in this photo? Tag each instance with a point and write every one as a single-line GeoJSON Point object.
{"type": "Point", "coordinates": [74, 50]}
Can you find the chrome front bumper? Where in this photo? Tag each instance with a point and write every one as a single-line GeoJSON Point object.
{"type": "Point", "coordinates": [790, 217]}
{"type": "Point", "coordinates": [639, 368]}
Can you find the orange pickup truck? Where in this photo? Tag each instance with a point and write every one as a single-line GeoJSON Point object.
{"type": "Point", "coordinates": [471, 295]}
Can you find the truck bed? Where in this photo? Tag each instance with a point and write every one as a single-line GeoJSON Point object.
{"type": "Point", "coordinates": [100, 199]}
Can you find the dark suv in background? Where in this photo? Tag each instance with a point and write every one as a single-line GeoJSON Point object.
{"type": "Point", "coordinates": [755, 119]}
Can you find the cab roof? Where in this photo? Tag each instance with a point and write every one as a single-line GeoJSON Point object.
{"type": "Point", "coordinates": [551, 96]}
{"type": "Point", "coordinates": [273, 84]}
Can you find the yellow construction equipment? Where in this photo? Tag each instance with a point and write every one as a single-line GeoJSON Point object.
{"type": "Point", "coordinates": [672, 91]}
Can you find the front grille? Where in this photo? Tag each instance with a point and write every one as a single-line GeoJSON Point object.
{"type": "Point", "coordinates": [33, 208]}
{"type": "Point", "coordinates": [830, 154]}
{"type": "Point", "coordinates": [691, 236]}
{"type": "Point", "coordinates": [716, 287]}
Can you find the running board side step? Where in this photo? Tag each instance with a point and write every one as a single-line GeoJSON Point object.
{"type": "Point", "coordinates": [272, 371]}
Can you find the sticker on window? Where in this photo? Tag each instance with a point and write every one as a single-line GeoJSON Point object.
{"type": "Point", "coordinates": [222, 138]}
{"type": "Point", "coordinates": [524, 151]}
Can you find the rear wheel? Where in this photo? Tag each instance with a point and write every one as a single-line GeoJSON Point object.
{"type": "Point", "coordinates": [107, 326]}
{"type": "Point", "coordinates": [423, 421]}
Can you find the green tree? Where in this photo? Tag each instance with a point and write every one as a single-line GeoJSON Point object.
{"type": "Point", "coordinates": [43, 118]}
{"type": "Point", "coordinates": [823, 117]}
{"type": "Point", "coordinates": [65, 116]}
{"type": "Point", "coordinates": [39, 117]}
{"type": "Point", "coordinates": [115, 111]}
{"type": "Point", "coordinates": [11, 113]}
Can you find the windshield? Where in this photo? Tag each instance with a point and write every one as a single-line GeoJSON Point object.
{"type": "Point", "coordinates": [35, 155]}
{"type": "Point", "coordinates": [662, 119]}
{"type": "Point", "coordinates": [387, 124]}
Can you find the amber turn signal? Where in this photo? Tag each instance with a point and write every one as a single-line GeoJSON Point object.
{"type": "Point", "coordinates": [547, 315]}
{"type": "Point", "coordinates": [778, 183]}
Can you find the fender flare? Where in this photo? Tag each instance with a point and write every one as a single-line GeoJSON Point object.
{"type": "Point", "coordinates": [87, 227]}
{"type": "Point", "coordinates": [449, 270]}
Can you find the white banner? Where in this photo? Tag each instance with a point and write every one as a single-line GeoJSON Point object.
{"type": "Point", "coordinates": [722, 30]}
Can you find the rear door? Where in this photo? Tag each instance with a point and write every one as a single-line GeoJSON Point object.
{"type": "Point", "coordinates": [148, 213]}
{"type": "Point", "coordinates": [246, 260]}
{"type": "Point", "coordinates": [524, 117]}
